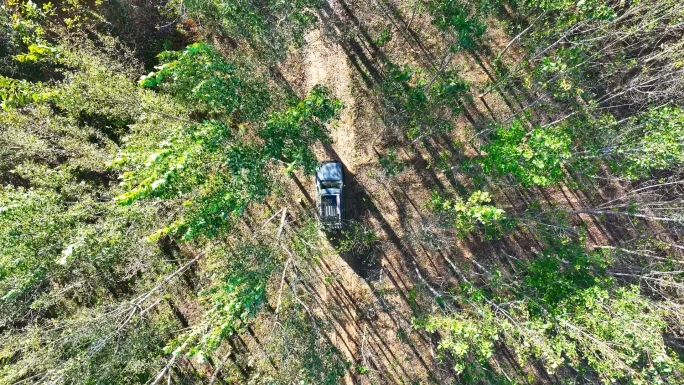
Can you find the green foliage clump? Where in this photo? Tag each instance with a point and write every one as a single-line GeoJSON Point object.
{"type": "Point", "coordinates": [269, 27]}
{"type": "Point", "coordinates": [647, 142]}
{"type": "Point", "coordinates": [559, 19]}
{"type": "Point", "coordinates": [24, 234]}
{"type": "Point", "coordinates": [67, 252]}
{"type": "Point", "coordinates": [391, 164]}
{"type": "Point", "coordinates": [215, 171]}
{"type": "Point", "coordinates": [356, 239]}
{"type": "Point", "coordinates": [233, 299]}
{"type": "Point", "coordinates": [288, 135]}
{"type": "Point", "coordinates": [425, 106]}
{"type": "Point", "coordinates": [384, 37]}
{"type": "Point", "coordinates": [201, 78]}
{"type": "Point", "coordinates": [188, 162]}
{"type": "Point", "coordinates": [306, 242]}
{"type": "Point", "coordinates": [10, 41]}
{"type": "Point", "coordinates": [651, 141]}
{"type": "Point", "coordinates": [53, 206]}
{"type": "Point", "coordinates": [561, 73]}
{"type": "Point", "coordinates": [466, 19]}
{"type": "Point", "coordinates": [535, 158]}
{"type": "Point", "coordinates": [464, 338]}
{"type": "Point", "coordinates": [466, 215]}
{"type": "Point", "coordinates": [16, 93]}
{"type": "Point", "coordinates": [22, 24]}
{"type": "Point", "coordinates": [302, 353]}
{"type": "Point", "coordinates": [565, 313]}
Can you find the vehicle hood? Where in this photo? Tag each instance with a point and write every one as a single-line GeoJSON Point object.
{"type": "Point", "coordinates": [329, 171]}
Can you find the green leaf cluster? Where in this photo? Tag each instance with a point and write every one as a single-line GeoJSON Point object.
{"type": "Point", "coordinates": [466, 19]}
{"type": "Point", "coordinates": [288, 135]}
{"type": "Point", "coordinates": [565, 313]}
{"type": "Point", "coordinates": [651, 141]}
{"type": "Point", "coordinates": [201, 78]}
{"type": "Point", "coordinates": [235, 296]}
{"type": "Point", "coordinates": [535, 158]}
{"type": "Point", "coordinates": [391, 164]}
{"type": "Point", "coordinates": [357, 239]}
{"type": "Point", "coordinates": [426, 106]}
{"type": "Point", "coordinates": [269, 28]}
{"type": "Point", "coordinates": [216, 170]}
{"type": "Point", "coordinates": [466, 215]}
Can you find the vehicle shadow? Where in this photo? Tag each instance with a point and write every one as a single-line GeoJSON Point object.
{"type": "Point", "coordinates": [359, 252]}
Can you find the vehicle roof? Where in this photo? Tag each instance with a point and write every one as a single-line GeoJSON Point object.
{"type": "Point", "coordinates": [329, 171]}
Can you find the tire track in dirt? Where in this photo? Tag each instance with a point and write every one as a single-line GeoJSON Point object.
{"type": "Point", "coordinates": [326, 64]}
{"type": "Point", "coordinates": [365, 331]}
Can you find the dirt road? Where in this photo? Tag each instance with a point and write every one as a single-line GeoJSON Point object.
{"type": "Point", "coordinates": [370, 318]}
{"type": "Point", "coordinates": [325, 63]}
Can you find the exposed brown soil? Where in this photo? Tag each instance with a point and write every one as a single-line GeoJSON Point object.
{"type": "Point", "coordinates": [372, 330]}
{"type": "Point", "coordinates": [369, 300]}
{"type": "Point", "coordinates": [370, 305]}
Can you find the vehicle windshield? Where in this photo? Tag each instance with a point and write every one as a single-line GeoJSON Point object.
{"type": "Point", "coordinates": [331, 184]}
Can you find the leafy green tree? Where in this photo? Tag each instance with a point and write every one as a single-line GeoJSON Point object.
{"type": "Point", "coordinates": [647, 142]}
{"type": "Point", "coordinates": [565, 312]}
{"type": "Point", "coordinates": [69, 254]}
{"type": "Point", "coordinates": [288, 135]}
{"type": "Point", "coordinates": [423, 106]}
{"type": "Point", "coordinates": [233, 299]}
{"type": "Point", "coordinates": [466, 215]}
{"type": "Point", "coordinates": [651, 141]}
{"type": "Point", "coordinates": [465, 19]}
{"type": "Point", "coordinates": [215, 172]}
{"type": "Point", "coordinates": [534, 158]}
{"type": "Point", "coordinates": [201, 77]}
{"type": "Point", "coordinates": [269, 28]}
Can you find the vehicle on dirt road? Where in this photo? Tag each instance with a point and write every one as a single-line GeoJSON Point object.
{"type": "Point", "coordinates": [329, 195]}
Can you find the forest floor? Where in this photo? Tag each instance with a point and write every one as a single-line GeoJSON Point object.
{"type": "Point", "coordinates": [367, 305]}
{"type": "Point", "coordinates": [366, 296]}
{"type": "Point", "coordinates": [370, 298]}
